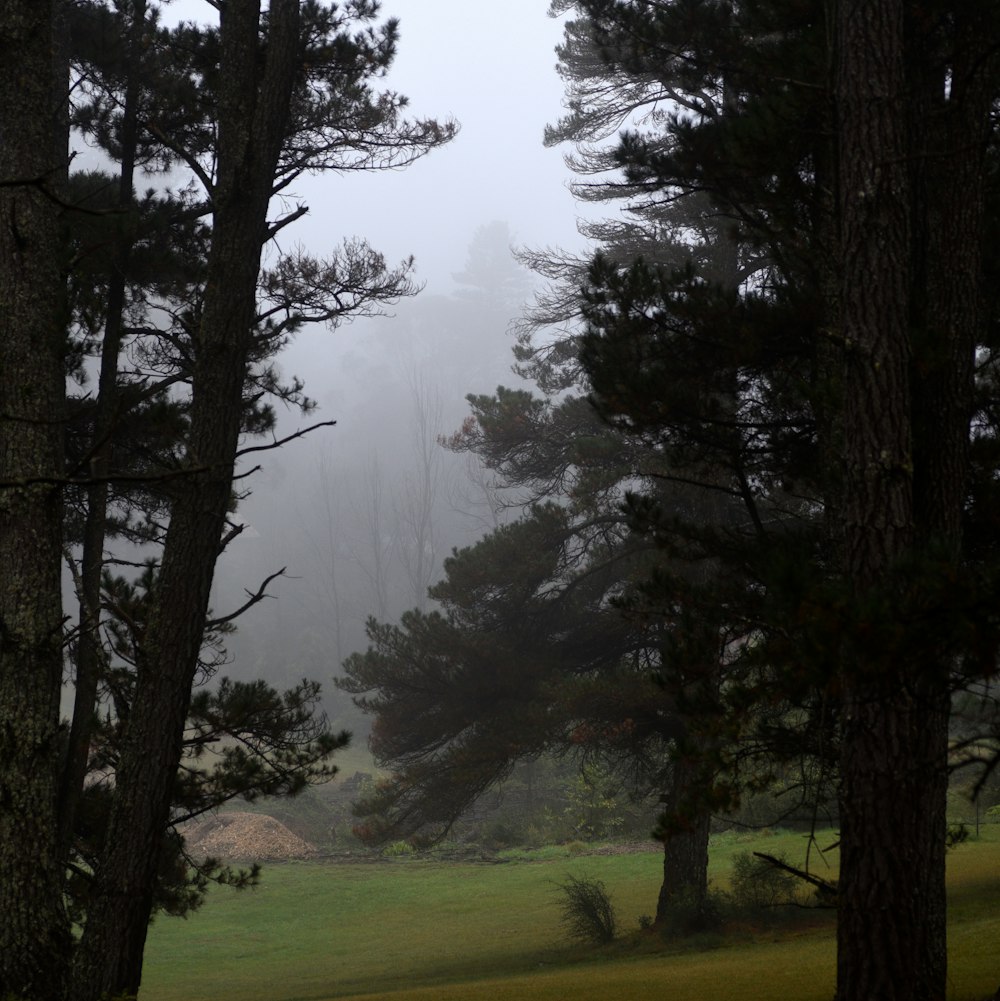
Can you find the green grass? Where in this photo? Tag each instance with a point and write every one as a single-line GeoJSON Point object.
{"type": "Point", "coordinates": [414, 929]}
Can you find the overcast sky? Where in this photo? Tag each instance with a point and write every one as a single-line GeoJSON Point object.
{"type": "Point", "coordinates": [492, 68]}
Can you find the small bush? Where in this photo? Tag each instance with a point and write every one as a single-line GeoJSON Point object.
{"type": "Point", "coordinates": [576, 847]}
{"type": "Point", "coordinates": [645, 921]}
{"type": "Point", "coordinates": [956, 834]}
{"type": "Point", "coordinates": [757, 883]}
{"type": "Point", "coordinates": [398, 849]}
{"type": "Point", "coordinates": [586, 911]}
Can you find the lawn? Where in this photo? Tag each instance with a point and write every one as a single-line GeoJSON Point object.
{"type": "Point", "coordinates": [413, 929]}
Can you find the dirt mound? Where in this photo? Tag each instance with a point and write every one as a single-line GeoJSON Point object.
{"type": "Point", "coordinates": [246, 837]}
{"type": "Point", "coordinates": [627, 848]}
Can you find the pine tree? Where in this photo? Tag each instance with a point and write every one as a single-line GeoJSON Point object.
{"type": "Point", "coordinates": [852, 350]}
{"type": "Point", "coordinates": [524, 656]}
{"type": "Point", "coordinates": [34, 932]}
{"type": "Point", "coordinates": [245, 108]}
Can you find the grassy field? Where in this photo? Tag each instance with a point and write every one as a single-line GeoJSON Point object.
{"type": "Point", "coordinates": [413, 929]}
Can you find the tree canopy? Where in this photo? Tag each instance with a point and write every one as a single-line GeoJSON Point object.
{"type": "Point", "coordinates": [163, 312]}
{"type": "Point", "coordinates": [789, 340]}
{"type": "Point", "coordinates": [850, 370]}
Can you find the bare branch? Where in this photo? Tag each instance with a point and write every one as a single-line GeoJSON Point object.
{"type": "Point", "coordinates": [278, 442]}
{"type": "Point", "coordinates": [253, 598]}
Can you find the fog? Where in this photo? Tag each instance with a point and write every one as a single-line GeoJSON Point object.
{"type": "Point", "coordinates": [491, 68]}
{"type": "Point", "coordinates": [362, 514]}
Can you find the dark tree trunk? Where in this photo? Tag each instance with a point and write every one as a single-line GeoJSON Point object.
{"type": "Point", "coordinates": [948, 324]}
{"type": "Point", "coordinates": [887, 930]}
{"type": "Point", "coordinates": [891, 929]}
{"type": "Point", "coordinates": [911, 245]}
{"type": "Point", "coordinates": [685, 850]}
{"type": "Point", "coordinates": [90, 655]}
{"type": "Point", "coordinates": [34, 931]}
{"type": "Point", "coordinates": [253, 111]}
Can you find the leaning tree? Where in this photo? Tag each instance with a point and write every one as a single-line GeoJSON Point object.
{"type": "Point", "coordinates": [245, 107]}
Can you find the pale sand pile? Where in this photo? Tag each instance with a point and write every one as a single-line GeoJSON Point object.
{"type": "Point", "coordinates": [247, 837]}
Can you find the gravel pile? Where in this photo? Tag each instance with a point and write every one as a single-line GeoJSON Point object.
{"type": "Point", "coordinates": [250, 837]}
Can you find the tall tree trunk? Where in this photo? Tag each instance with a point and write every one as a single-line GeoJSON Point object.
{"type": "Point", "coordinates": [947, 326]}
{"type": "Point", "coordinates": [890, 734]}
{"type": "Point", "coordinates": [685, 848]}
{"type": "Point", "coordinates": [89, 658]}
{"type": "Point", "coordinates": [253, 110]}
{"type": "Point", "coordinates": [911, 209]}
{"type": "Point", "coordinates": [34, 931]}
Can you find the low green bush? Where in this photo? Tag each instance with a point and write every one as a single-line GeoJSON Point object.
{"type": "Point", "coordinates": [756, 883]}
{"type": "Point", "coordinates": [398, 849]}
{"type": "Point", "coordinates": [586, 910]}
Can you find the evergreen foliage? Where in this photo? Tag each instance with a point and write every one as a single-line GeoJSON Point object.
{"type": "Point", "coordinates": [833, 402]}
{"type": "Point", "coordinates": [645, 512]}
{"type": "Point", "coordinates": [523, 657]}
{"type": "Point", "coordinates": [168, 332]}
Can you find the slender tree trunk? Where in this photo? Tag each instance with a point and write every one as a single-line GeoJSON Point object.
{"type": "Point", "coordinates": [685, 850]}
{"type": "Point", "coordinates": [34, 931]}
{"type": "Point", "coordinates": [253, 112]}
{"type": "Point", "coordinates": [90, 655]}
{"type": "Point", "coordinates": [947, 328]}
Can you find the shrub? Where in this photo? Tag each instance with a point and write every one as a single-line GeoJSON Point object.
{"type": "Point", "coordinates": [757, 883]}
{"type": "Point", "coordinates": [956, 834]}
{"type": "Point", "coordinates": [398, 849]}
{"type": "Point", "coordinates": [587, 912]}
{"type": "Point", "coordinates": [502, 834]}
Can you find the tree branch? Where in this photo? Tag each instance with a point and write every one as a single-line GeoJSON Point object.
{"type": "Point", "coordinates": [253, 598]}
{"type": "Point", "coordinates": [278, 442]}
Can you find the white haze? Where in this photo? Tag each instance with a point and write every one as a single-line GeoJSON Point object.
{"type": "Point", "coordinates": [339, 507]}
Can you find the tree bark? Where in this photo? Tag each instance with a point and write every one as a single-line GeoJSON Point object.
{"type": "Point", "coordinates": [253, 113]}
{"type": "Point", "coordinates": [888, 871]}
{"type": "Point", "coordinates": [685, 850]}
{"type": "Point", "coordinates": [911, 256]}
{"type": "Point", "coordinates": [34, 931]}
{"type": "Point", "coordinates": [90, 655]}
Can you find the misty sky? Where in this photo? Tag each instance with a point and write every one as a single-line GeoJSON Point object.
{"type": "Point", "coordinates": [492, 68]}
